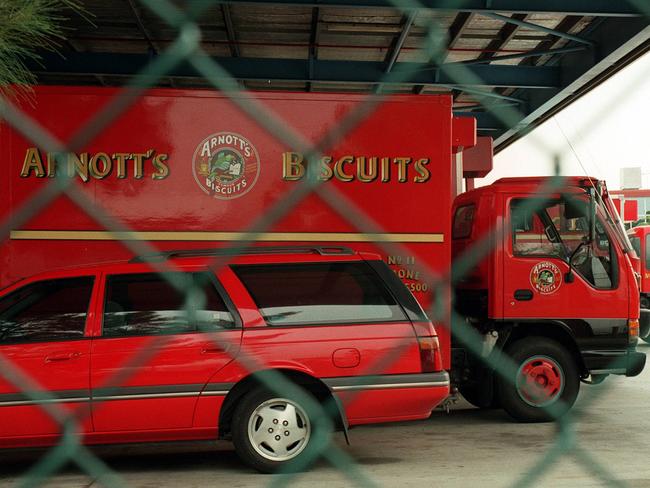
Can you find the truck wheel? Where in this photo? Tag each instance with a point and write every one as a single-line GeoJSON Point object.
{"type": "Point", "coordinates": [546, 383]}
{"type": "Point", "coordinates": [645, 302]}
{"type": "Point", "coordinates": [272, 433]}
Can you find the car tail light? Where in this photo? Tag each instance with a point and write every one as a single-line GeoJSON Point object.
{"type": "Point", "coordinates": [632, 330]}
{"type": "Point", "coordinates": [430, 354]}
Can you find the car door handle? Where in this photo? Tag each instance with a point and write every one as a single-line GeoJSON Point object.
{"type": "Point", "coordinates": [215, 348]}
{"type": "Point", "coordinates": [63, 356]}
{"type": "Point", "coordinates": [523, 295]}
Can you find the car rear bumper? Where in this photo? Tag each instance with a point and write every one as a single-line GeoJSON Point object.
{"type": "Point", "coordinates": [628, 363]}
{"type": "Point", "coordinates": [389, 398]}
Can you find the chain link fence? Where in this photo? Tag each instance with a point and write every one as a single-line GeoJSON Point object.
{"type": "Point", "coordinates": [186, 48]}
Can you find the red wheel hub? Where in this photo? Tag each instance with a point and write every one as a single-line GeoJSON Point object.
{"type": "Point", "coordinates": [540, 381]}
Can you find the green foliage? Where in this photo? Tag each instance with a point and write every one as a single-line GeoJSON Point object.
{"type": "Point", "coordinates": [27, 26]}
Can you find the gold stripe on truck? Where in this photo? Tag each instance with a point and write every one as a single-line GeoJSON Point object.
{"type": "Point", "coordinates": [98, 235]}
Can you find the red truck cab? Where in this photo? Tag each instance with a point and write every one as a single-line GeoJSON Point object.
{"type": "Point", "coordinates": [557, 292]}
{"type": "Point", "coordinates": [640, 237]}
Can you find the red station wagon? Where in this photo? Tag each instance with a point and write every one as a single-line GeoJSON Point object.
{"type": "Point", "coordinates": [256, 351]}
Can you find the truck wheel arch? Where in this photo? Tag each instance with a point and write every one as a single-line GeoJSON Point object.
{"type": "Point", "coordinates": [315, 386]}
{"type": "Point", "coordinates": [556, 330]}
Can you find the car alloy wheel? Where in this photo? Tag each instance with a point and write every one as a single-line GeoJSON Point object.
{"type": "Point", "coordinates": [279, 429]}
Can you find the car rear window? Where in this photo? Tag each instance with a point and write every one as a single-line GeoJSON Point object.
{"type": "Point", "coordinates": [152, 304]}
{"type": "Point", "coordinates": [319, 293]}
{"type": "Point", "coordinates": [52, 310]}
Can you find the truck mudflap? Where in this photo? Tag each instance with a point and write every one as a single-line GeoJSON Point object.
{"type": "Point", "coordinates": [635, 363]}
{"type": "Point", "coordinates": [628, 363]}
{"type": "Point", "coordinates": [644, 323]}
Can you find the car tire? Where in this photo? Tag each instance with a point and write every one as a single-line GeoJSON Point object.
{"type": "Point", "coordinates": [273, 432]}
{"type": "Point", "coordinates": [474, 396]}
{"type": "Point", "coordinates": [644, 302]}
{"type": "Point", "coordinates": [545, 382]}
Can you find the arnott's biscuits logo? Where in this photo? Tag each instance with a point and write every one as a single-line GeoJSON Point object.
{"type": "Point", "coordinates": [225, 165]}
{"type": "Point", "coordinates": [546, 277]}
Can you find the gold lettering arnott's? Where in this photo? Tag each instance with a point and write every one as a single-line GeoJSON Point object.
{"type": "Point", "coordinates": [361, 168]}
{"type": "Point", "coordinates": [97, 166]}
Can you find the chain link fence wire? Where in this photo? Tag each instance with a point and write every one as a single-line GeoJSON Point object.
{"type": "Point", "coordinates": [186, 48]}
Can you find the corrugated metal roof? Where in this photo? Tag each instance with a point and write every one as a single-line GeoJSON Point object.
{"type": "Point", "coordinates": [346, 45]}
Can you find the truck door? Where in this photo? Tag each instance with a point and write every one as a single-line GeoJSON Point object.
{"type": "Point", "coordinates": [537, 249]}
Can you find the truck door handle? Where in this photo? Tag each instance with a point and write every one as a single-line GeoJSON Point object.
{"type": "Point", "coordinates": [523, 295]}
{"type": "Point", "coordinates": [63, 356]}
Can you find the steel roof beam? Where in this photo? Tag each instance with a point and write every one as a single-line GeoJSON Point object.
{"type": "Point", "coordinates": [522, 23]}
{"type": "Point", "coordinates": [485, 121]}
{"type": "Point", "coordinates": [393, 53]}
{"type": "Point", "coordinates": [608, 8]}
{"type": "Point", "coordinates": [230, 30]}
{"type": "Point", "coordinates": [268, 69]}
{"type": "Point", "coordinates": [530, 54]}
{"type": "Point", "coordinates": [454, 33]}
{"type": "Point", "coordinates": [619, 42]}
{"type": "Point", "coordinates": [141, 27]}
{"type": "Point", "coordinates": [313, 42]}
{"type": "Point", "coordinates": [505, 35]}
{"type": "Point", "coordinates": [551, 42]}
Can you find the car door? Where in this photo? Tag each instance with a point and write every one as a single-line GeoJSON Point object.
{"type": "Point", "coordinates": [335, 320]}
{"type": "Point", "coordinates": [158, 347]}
{"type": "Point", "coordinates": [44, 355]}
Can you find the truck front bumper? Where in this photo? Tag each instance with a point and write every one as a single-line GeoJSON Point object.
{"type": "Point", "coordinates": [629, 363]}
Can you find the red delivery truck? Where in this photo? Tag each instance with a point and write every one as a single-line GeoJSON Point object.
{"type": "Point", "coordinates": [188, 169]}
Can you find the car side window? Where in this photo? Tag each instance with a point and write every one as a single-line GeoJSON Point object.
{"type": "Point", "coordinates": [319, 293]}
{"type": "Point", "coordinates": [169, 303]}
{"type": "Point", "coordinates": [51, 310]}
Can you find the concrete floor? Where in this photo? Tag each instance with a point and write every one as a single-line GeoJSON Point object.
{"type": "Point", "coordinates": [466, 448]}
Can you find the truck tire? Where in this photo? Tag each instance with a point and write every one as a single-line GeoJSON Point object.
{"type": "Point", "coordinates": [546, 382]}
{"type": "Point", "coordinates": [273, 433]}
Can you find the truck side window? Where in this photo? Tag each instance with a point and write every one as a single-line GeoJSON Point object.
{"type": "Point", "coordinates": [318, 294]}
{"type": "Point", "coordinates": [52, 310]}
{"type": "Point", "coordinates": [533, 230]}
{"type": "Point", "coordinates": [463, 220]}
{"type": "Point", "coordinates": [148, 304]}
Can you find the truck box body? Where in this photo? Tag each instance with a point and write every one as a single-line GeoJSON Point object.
{"type": "Point", "coordinates": [189, 169]}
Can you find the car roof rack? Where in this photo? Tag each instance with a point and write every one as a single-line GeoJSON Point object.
{"type": "Point", "coordinates": [194, 253]}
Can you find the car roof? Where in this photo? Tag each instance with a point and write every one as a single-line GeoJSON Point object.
{"type": "Point", "coordinates": [176, 260]}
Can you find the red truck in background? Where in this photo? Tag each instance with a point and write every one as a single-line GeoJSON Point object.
{"type": "Point", "coordinates": [639, 237]}
{"type": "Point", "coordinates": [189, 169]}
